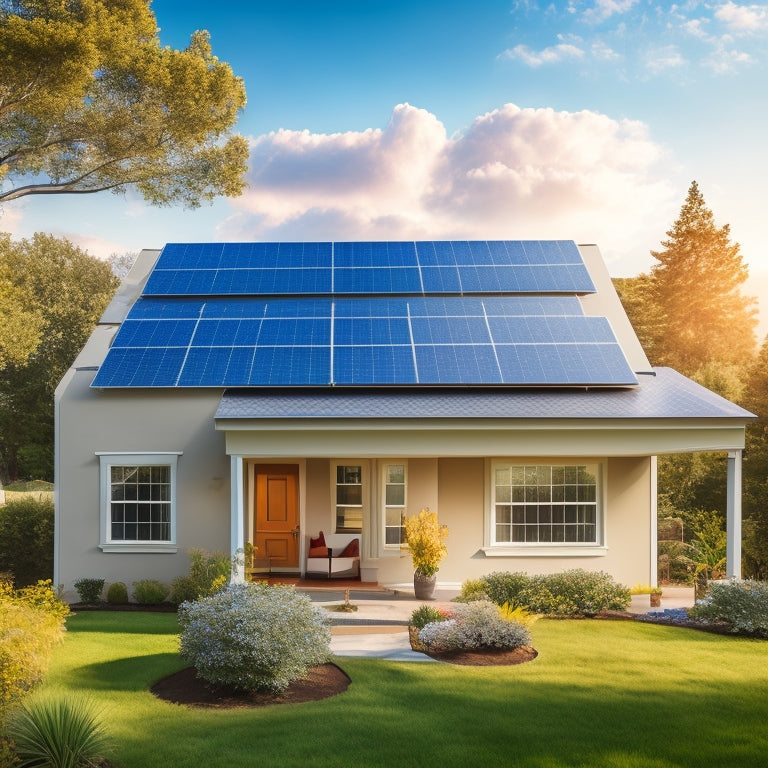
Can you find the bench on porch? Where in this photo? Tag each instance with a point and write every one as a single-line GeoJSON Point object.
{"type": "Point", "coordinates": [334, 556]}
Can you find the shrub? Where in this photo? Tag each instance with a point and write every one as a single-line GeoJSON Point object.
{"type": "Point", "coordinates": [426, 542]}
{"type": "Point", "coordinates": [56, 733]}
{"type": "Point", "coordinates": [741, 604]}
{"type": "Point", "coordinates": [117, 594]}
{"type": "Point", "coordinates": [516, 613]}
{"type": "Point", "coordinates": [31, 621]}
{"type": "Point", "coordinates": [149, 592]}
{"type": "Point", "coordinates": [209, 573]}
{"type": "Point", "coordinates": [254, 636]}
{"type": "Point", "coordinates": [477, 624]}
{"type": "Point", "coordinates": [571, 593]}
{"type": "Point", "coordinates": [89, 590]}
{"type": "Point", "coordinates": [26, 540]}
{"type": "Point", "coordinates": [426, 614]}
{"type": "Point", "coordinates": [472, 589]}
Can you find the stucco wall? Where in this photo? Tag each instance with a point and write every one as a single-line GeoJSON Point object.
{"type": "Point", "coordinates": [91, 421]}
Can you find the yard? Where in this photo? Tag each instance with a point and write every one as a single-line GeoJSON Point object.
{"type": "Point", "coordinates": [610, 694]}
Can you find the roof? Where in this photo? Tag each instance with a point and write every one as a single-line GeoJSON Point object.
{"type": "Point", "coordinates": [664, 395]}
{"type": "Point", "coordinates": [362, 314]}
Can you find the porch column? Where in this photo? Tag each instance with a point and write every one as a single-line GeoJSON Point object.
{"type": "Point", "coordinates": [733, 517]}
{"type": "Point", "coordinates": [654, 579]}
{"type": "Point", "coordinates": [237, 518]}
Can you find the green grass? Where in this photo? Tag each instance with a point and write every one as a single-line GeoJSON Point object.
{"type": "Point", "coordinates": [601, 694]}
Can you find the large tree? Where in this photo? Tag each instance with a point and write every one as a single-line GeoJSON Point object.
{"type": "Point", "coordinates": [68, 290]}
{"type": "Point", "coordinates": [696, 288]}
{"type": "Point", "coordinates": [90, 101]}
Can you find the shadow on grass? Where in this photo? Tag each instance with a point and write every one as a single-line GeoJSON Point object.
{"type": "Point", "coordinates": [135, 673]}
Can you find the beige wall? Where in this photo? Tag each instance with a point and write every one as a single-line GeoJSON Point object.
{"type": "Point", "coordinates": [91, 421]}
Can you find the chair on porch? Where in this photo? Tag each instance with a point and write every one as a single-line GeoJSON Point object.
{"type": "Point", "coordinates": [334, 556]}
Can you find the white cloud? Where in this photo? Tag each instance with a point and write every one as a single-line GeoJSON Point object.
{"type": "Point", "coordinates": [661, 59]}
{"type": "Point", "coordinates": [743, 18]}
{"type": "Point", "coordinates": [514, 173]}
{"type": "Point", "coordinates": [604, 9]}
{"type": "Point", "coordinates": [551, 55]}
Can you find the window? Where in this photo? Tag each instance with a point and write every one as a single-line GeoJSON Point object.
{"type": "Point", "coordinates": [394, 503]}
{"type": "Point", "coordinates": [545, 504]}
{"type": "Point", "coordinates": [138, 502]}
{"type": "Point", "coordinates": [349, 498]}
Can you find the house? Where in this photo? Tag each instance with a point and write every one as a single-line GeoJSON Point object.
{"type": "Point", "coordinates": [265, 392]}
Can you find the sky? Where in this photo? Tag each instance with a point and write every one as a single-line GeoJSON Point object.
{"type": "Point", "coordinates": [417, 119]}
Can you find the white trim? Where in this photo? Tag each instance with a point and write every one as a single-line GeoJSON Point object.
{"type": "Point", "coordinates": [121, 458]}
{"type": "Point", "coordinates": [733, 517]}
{"type": "Point", "coordinates": [237, 520]}
{"type": "Point", "coordinates": [654, 522]}
{"type": "Point", "coordinates": [545, 550]}
{"type": "Point", "coordinates": [365, 474]}
{"type": "Point", "coordinates": [382, 500]}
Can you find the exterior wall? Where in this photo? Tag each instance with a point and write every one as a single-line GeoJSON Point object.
{"type": "Point", "coordinates": [91, 421]}
{"type": "Point", "coordinates": [457, 488]}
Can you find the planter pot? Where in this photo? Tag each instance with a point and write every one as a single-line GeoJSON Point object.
{"type": "Point", "coordinates": [413, 637]}
{"type": "Point", "coordinates": [655, 601]}
{"type": "Point", "coordinates": [424, 586]}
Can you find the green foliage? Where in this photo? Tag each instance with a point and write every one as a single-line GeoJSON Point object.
{"type": "Point", "coordinates": [517, 614]}
{"type": "Point", "coordinates": [89, 590]}
{"type": "Point", "coordinates": [117, 594]}
{"type": "Point", "coordinates": [741, 604]}
{"type": "Point", "coordinates": [150, 592]}
{"type": "Point", "coordinates": [109, 107]}
{"type": "Point", "coordinates": [426, 614]}
{"type": "Point", "coordinates": [57, 733]}
{"type": "Point", "coordinates": [31, 621]}
{"type": "Point", "coordinates": [477, 624]}
{"type": "Point", "coordinates": [209, 573]}
{"type": "Point", "coordinates": [70, 290]}
{"type": "Point", "coordinates": [472, 589]}
{"type": "Point", "coordinates": [26, 539]}
{"type": "Point", "coordinates": [575, 592]}
{"type": "Point", "coordinates": [696, 286]}
{"type": "Point", "coordinates": [254, 636]}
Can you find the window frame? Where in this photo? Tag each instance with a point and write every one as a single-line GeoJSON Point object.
{"type": "Point", "coordinates": [494, 548]}
{"type": "Point", "coordinates": [364, 491]}
{"type": "Point", "coordinates": [119, 459]}
{"type": "Point", "coordinates": [383, 506]}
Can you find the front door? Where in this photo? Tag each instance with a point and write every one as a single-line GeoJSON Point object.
{"type": "Point", "coordinates": [276, 518]}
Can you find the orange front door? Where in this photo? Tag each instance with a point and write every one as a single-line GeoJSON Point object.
{"type": "Point", "coordinates": [277, 515]}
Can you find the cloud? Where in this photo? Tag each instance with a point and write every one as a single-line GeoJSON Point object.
{"type": "Point", "coordinates": [664, 58]}
{"type": "Point", "coordinates": [551, 55]}
{"type": "Point", "coordinates": [604, 9]}
{"type": "Point", "coordinates": [513, 173]}
{"type": "Point", "coordinates": [743, 18]}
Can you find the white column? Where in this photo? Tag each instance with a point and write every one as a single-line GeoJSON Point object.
{"type": "Point", "coordinates": [654, 574]}
{"type": "Point", "coordinates": [237, 518]}
{"type": "Point", "coordinates": [733, 517]}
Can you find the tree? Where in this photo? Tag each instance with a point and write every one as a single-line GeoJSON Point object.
{"type": "Point", "coordinates": [21, 325]}
{"type": "Point", "coordinates": [69, 290]}
{"type": "Point", "coordinates": [696, 288]}
{"type": "Point", "coordinates": [90, 101]}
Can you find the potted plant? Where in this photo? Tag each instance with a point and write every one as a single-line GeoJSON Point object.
{"type": "Point", "coordinates": [655, 597]}
{"type": "Point", "coordinates": [425, 538]}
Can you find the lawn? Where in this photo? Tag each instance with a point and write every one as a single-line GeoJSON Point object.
{"type": "Point", "coordinates": [609, 694]}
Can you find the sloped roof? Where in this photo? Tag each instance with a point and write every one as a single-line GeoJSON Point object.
{"type": "Point", "coordinates": [389, 314]}
{"type": "Point", "coordinates": [664, 395]}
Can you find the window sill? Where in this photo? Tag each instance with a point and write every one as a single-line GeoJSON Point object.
{"type": "Point", "coordinates": [139, 548]}
{"type": "Point", "coordinates": [545, 551]}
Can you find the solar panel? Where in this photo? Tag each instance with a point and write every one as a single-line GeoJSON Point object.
{"type": "Point", "coordinates": [359, 268]}
{"type": "Point", "coordinates": [379, 341]}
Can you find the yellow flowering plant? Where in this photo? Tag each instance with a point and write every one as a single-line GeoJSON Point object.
{"type": "Point", "coordinates": [425, 538]}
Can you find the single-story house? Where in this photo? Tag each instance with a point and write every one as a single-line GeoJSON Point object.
{"type": "Point", "coordinates": [268, 392]}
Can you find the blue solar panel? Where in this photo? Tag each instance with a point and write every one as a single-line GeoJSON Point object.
{"type": "Point", "coordinates": [365, 314]}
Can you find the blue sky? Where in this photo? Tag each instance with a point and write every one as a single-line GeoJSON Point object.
{"type": "Point", "coordinates": [581, 120]}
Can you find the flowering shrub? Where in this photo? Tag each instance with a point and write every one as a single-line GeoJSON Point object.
{"type": "Point", "coordinates": [571, 593]}
{"type": "Point", "coordinates": [31, 621]}
{"type": "Point", "coordinates": [742, 604]}
{"type": "Point", "coordinates": [254, 636]}
{"type": "Point", "coordinates": [426, 542]}
{"type": "Point", "coordinates": [478, 624]}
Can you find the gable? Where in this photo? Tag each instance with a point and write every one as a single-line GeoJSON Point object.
{"type": "Point", "coordinates": [392, 314]}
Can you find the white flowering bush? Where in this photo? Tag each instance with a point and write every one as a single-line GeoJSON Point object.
{"type": "Point", "coordinates": [478, 624]}
{"type": "Point", "coordinates": [254, 636]}
{"type": "Point", "coordinates": [742, 604]}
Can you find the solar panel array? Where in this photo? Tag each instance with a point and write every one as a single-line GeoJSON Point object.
{"type": "Point", "coordinates": [365, 314]}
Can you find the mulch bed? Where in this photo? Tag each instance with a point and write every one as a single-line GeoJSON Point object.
{"type": "Point", "coordinates": [487, 657]}
{"type": "Point", "coordinates": [185, 687]}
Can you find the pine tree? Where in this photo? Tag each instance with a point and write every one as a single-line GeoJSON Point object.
{"type": "Point", "coordinates": [697, 289]}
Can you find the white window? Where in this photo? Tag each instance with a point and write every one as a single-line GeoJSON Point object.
{"type": "Point", "coordinates": [348, 482]}
{"type": "Point", "coordinates": [138, 502]}
{"type": "Point", "coordinates": [394, 502]}
{"type": "Point", "coordinates": [542, 504]}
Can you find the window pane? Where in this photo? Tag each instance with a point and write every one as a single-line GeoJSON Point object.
{"type": "Point", "coordinates": [395, 495]}
{"type": "Point", "coordinates": [503, 493]}
{"type": "Point", "coordinates": [140, 503]}
{"type": "Point", "coordinates": [349, 494]}
{"type": "Point", "coordinates": [396, 473]}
